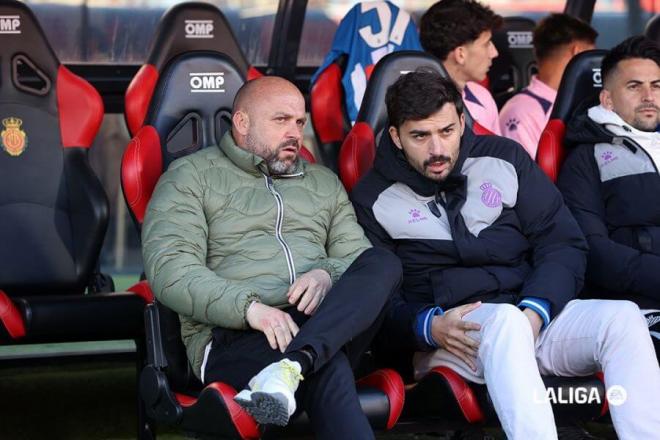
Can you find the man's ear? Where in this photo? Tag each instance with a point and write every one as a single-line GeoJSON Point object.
{"type": "Point", "coordinates": [462, 123]}
{"type": "Point", "coordinates": [606, 99]}
{"type": "Point", "coordinates": [458, 55]}
{"type": "Point", "coordinates": [394, 134]}
{"type": "Point", "coordinates": [241, 122]}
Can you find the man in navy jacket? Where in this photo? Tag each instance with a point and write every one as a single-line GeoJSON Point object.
{"type": "Point", "coordinates": [492, 261]}
{"type": "Point", "coordinates": [610, 180]}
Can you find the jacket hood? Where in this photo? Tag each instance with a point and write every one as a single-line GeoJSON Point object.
{"type": "Point", "coordinates": [600, 125]}
{"type": "Point", "coordinates": [392, 164]}
{"type": "Point", "coordinates": [250, 162]}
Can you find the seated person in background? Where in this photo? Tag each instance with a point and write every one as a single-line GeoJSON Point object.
{"type": "Point", "coordinates": [557, 38]}
{"type": "Point", "coordinates": [459, 32]}
{"type": "Point", "coordinates": [610, 180]}
{"type": "Point", "coordinates": [492, 260]}
{"type": "Point", "coordinates": [261, 256]}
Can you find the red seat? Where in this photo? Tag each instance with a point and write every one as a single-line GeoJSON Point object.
{"type": "Point", "coordinates": [180, 122]}
{"type": "Point", "coordinates": [579, 89]}
{"type": "Point", "coordinates": [184, 27]}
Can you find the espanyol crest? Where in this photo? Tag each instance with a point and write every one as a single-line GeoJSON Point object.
{"type": "Point", "coordinates": [13, 139]}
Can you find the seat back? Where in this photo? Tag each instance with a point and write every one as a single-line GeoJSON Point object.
{"type": "Point", "coordinates": [514, 66]}
{"type": "Point", "coordinates": [359, 148]}
{"type": "Point", "coordinates": [53, 210]}
{"type": "Point", "coordinates": [652, 30]}
{"type": "Point", "coordinates": [190, 110]}
{"type": "Point", "coordinates": [578, 90]}
{"type": "Point", "coordinates": [369, 31]}
{"type": "Point", "coordinates": [184, 27]}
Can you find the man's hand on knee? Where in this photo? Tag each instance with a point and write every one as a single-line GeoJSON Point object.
{"type": "Point", "coordinates": [450, 332]}
{"type": "Point", "coordinates": [535, 320]}
{"type": "Point", "coordinates": [309, 290]}
{"type": "Point", "coordinates": [278, 326]}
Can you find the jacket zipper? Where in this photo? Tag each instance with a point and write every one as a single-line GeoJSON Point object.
{"type": "Point", "coordinates": [278, 229]}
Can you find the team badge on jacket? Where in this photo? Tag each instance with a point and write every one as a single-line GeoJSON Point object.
{"type": "Point", "coordinates": [14, 140]}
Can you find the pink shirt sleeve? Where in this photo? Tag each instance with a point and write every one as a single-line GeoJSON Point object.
{"type": "Point", "coordinates": [523, 119]}
{"type": "Point", "coordinates": [484, 110]}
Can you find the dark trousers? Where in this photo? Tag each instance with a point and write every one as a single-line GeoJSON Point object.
{"type": "Point", "coordinates": [339, 332]}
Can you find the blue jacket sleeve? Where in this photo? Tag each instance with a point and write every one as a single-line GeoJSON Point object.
{"type": "Point", "coordinates": [558, 254]}
{"type": "Point", "coordinates": [613, 266]}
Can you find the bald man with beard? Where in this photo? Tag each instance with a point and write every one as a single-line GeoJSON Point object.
{"type": "Point", "coordinates": [260, 254]}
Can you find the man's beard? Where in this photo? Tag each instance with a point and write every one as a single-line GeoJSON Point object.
{"type": "Point", "coordinates": [275, 165]}
{"type": "Point", "coordinates": [642, 124]}
{"type": "Point", "coordinates": [433, 159]}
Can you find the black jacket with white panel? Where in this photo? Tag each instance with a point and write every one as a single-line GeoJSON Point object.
{"type": "Point", "coordinates": [496, 230]}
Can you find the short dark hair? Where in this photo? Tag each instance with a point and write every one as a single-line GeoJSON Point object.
{"type": "Point", "coordinates": [634, 47]}
{"type": "Point", "coordinates": [557, 30]}
{"type": "Point", "coordinates": [451, 23]}
{"type": "Point", "coordinates": [417, 95]}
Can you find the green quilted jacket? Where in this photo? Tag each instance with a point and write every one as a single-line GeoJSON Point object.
{"type": "Point", "coordinates": [220, 232]}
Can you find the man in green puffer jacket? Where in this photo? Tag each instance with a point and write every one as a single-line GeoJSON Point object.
{"type": "Point", "coordinates": [245, 242]}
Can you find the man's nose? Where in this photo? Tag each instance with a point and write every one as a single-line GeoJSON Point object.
{"type": "Point", "coordinates": [493, 50]}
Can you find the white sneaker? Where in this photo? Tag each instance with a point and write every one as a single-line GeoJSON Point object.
{"type": "Point", "coordinates": [270, 398]}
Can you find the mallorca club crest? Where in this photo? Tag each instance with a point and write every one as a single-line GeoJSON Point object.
{"type": "Point", "coordinates": [490, 196]}
{"type": "Point", "coordinates": [14, 140]}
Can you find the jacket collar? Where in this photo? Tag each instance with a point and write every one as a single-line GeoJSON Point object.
{"type": "Point", "coordinates": [250, 162]}
{"type": "Point", "coordinates": [393, 165]}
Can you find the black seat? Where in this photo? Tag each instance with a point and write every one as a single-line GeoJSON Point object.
{"type": "Point", "coordinates": [181, 121]}
{"type": "Point", "coordinates": [53, 210]}
{"type": "Point", "coordinates": [183, 28]}
{"type": "Point", "coordinates": [514, 66]}
{"type": "Point", "coordinates": [652, 30]}
{"type": "Point", "coordinates": [578, 90]}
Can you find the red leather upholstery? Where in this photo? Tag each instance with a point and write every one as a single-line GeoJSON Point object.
{"type": "Point", "coordinates": [480, 129]}
{"type": "Point", "coordinates": [307, 155]}
{"type": "Point", "coordinates": [326, 105]}
{"type": "Point", "coordinates": [11, 317]}
{"type": "Point", "coordinates": [465, 398]}
{"type": "Point", "coordinates": [390, 383]}
{"type": "Point", "coordinates": [243, 422]}
{"type": "Point", "coordinates": [80, 109]}
{"type": "Point", "coordinates": [357, 154]}
{"type": "Point", "coordinates": [143, 290]}
{"type": "Point", "coordinates": [551, 150]}
{"type": "Point", "coordinates": [138, 96]}
{"type": "Point", "coordinates": [253, 73]}
{"type": "Point", "coordinates": [141, 167]}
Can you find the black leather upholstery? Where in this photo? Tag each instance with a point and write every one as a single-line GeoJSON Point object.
{"type": "Point", "coordinates": [513, 68]}
{"type": "Point", "coordinates": [185, 121]}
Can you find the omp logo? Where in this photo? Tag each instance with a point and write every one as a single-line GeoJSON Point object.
{"type": "Point", "coordinates": [9, 24]}
{"type": "Point", "coordinates": [597, 77]}
{"type": "Point", "coordinates": [207, 82]}
{"type": "Point", "coordinates": [199, 28]}
{"type": "Point", "coordinates": [520, 40]}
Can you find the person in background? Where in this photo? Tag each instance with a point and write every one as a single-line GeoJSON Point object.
{"type": "Point", "coordinates": [459, 33]}
{"type": "Point", "coordinates": [557, 39]}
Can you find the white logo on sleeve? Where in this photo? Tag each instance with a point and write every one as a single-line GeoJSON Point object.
{"type": "Point", "coordinates": [520, 39]}
{"type": "Point", "coordinates": [10, 24]}
{"type": "Point", "coordinates": [208, 82]}
{"type": "Point", "coordinates": [199, 28]}
{"type": "Point", "coordinates": [597, 77]}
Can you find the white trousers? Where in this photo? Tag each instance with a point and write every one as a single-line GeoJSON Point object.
{"type": "Point", "coordinates": [586, 337]}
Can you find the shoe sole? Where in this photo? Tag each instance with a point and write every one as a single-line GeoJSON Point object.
{"type": "Point", "coordinates": [265, 408]}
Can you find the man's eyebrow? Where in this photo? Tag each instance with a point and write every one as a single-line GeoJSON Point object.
{"type": "Point", "coordinates": [418, 131]}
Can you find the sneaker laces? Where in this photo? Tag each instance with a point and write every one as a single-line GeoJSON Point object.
{"type": "Point", "coordinates": [290, 375]}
